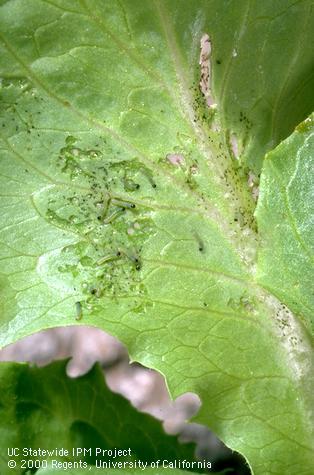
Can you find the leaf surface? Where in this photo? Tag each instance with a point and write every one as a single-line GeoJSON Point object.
{"type": "Point", "coordinates": [123, 204]}
{"type": "Point", "coordinates": [285, 221]}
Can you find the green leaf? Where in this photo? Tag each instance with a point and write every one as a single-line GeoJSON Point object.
{"type": "Point", "coordinates": [265, 81]}
{"type": "Point", "coordinates": [41, 408]}
{"type": "Point", "coordinates": [123, 204]}
{"type": "Point", "coordinates": [285, 222]}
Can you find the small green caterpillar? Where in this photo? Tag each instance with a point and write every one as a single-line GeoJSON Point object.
{"type": "Point", "coordinates": [122, 204]}
{"type": "Point", "coordinates": [108, 258]}
{"type": "Point", "coordinates": [78, 308]}
{"type": "Point", "coordinates": [113, 216]}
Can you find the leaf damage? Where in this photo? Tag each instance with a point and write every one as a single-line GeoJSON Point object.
{"type": "Point", "coordinates": [205, 64]}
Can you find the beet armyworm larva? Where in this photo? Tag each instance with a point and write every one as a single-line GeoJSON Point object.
{"type": "Point", "coordinates": [108, 258]}
{"type": "Point", "coordinates": [113, 216]}
{"type": "Point", "coordinates": [78, 308]}
{"type": "Point", "coordinates": [122, 204]}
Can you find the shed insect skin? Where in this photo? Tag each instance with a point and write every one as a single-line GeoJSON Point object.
{"type": "Point", "coordinates": [133, 258]}
{"type": "Point", "coordinates": [151, 181]}
{"type": "Point", "coordinates": [130, 185]}
{"type": "Point", "coordinates": [135, 261]}
{"type": "Point", "coordinates": [200, 242]}
{"type": "Point", "coordinates": [153, 184]}
{"type": "Point", "coordinates": [78, 308]}
{"type": "Point", "coordinates": [149, 178]}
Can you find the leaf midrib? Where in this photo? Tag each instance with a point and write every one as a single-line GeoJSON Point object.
{"type": "Point", "coordinates": [65, 104]}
